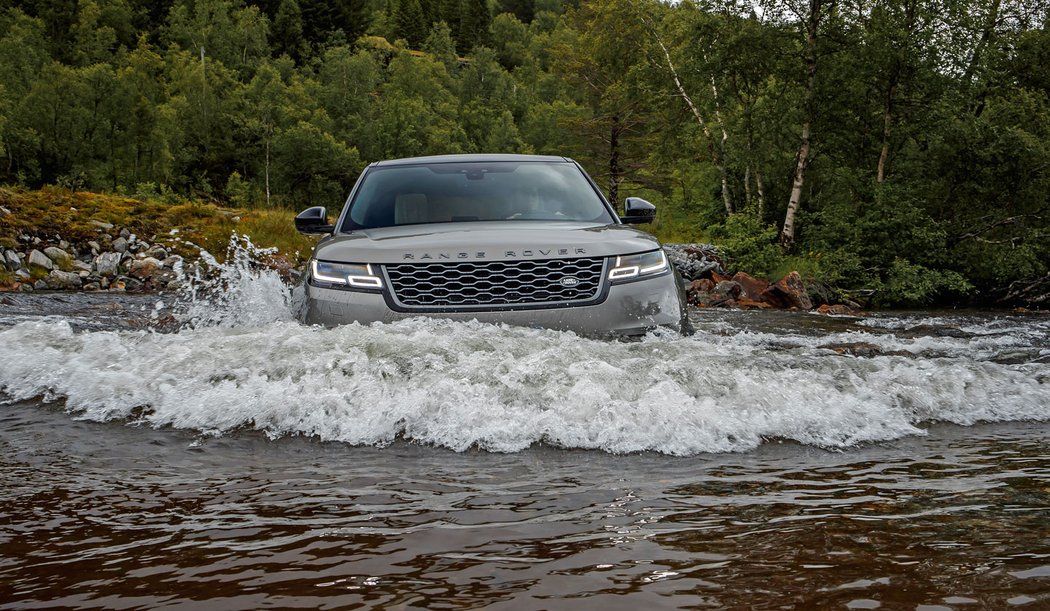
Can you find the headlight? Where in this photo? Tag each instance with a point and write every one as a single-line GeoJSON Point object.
{"type": "Point", "coordinates": [349, 275]}
{"type": "Point", "coordinates": [635, 267]}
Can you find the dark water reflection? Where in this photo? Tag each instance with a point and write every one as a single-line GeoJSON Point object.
{"type": "Point", "coordinates": [107, 515]}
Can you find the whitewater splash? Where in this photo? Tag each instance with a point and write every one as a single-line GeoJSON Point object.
{"type": "Point", "coordinates": [242, 362]}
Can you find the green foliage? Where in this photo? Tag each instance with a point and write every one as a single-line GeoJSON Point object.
{"type": "Point", "coordinates": [909, 284]}
{"type": "Point", "coordinates": [929, 166]}
{"type": "Point", "coordinates": [474, 20]}
{"type": "Point", "coordinates": [287, 31]}
{"type": "Point", "coordinates": [749, 245]}
{"type": "Point", "coordinates": [409, 23]}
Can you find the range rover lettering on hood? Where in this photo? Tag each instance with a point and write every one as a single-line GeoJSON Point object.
{"type": "Point", "coordinates": [513, 254]}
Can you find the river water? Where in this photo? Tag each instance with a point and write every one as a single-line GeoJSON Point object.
{"type": "Point", "coordinates": [772, 460]}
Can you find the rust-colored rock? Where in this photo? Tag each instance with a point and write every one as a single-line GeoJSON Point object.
{"type": "Point", "coordinates": [700, 299]}
{"type": "Point", "coordinates": [788, 292]}
{"type": "Point", "coordinates": [862, 349]}
{"type": "Point", "coordinates": [703, 284]}
{"type": "Point", "coordinates": [835, 310]}
{"type": "Point", "coordinates": [717, 277]}
{"type": "Point", "coordinates": [143, 269]}
{"type": "Point", "coordinates": [751, 304]}
{"type": "Point", "coordinates": [726, 289]}
{"type": "Point", "coordinates": [752, 287]}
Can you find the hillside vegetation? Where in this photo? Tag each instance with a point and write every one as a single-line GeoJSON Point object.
{"type": "Point", "coordinates": [893, 149]}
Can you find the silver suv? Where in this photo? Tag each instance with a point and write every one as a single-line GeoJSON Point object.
{"type": "Point", "coordinates": [518, 239]}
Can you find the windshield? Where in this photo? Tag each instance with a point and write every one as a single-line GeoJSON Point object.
{"type": "Point", "coordinates": [483, 191]}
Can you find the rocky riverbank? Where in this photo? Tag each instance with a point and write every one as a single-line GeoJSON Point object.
{"type": "Point", "coordinates": [63, 240]}
{"type": "Point", "coordinates": [116, 260]}
{"type": "Point", "coordinates": [711, 286]}
{"type": "Point", "coordinates": [56, 239]}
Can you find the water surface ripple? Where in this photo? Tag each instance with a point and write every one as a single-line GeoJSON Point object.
{"type": "Point", "coordinates": [96, 515]}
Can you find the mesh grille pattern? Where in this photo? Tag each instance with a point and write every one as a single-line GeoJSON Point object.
{"type": "Point", "coordinates": [495, 283]}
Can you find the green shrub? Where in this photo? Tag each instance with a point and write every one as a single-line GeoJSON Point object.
{"type": "Point", "coordinates": [749, 245]}
{"type": "Point", "coordinates": [908, 284]}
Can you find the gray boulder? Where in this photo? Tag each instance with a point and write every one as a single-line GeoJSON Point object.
{"type": "Point", "coordinates": [59, 279]}
{"type": "Point", "coordinates": [12, 261]}
{"type": "Point", "coordinates": [120, 245]}
{"type": "Point", "coordinates": [58, 255]}
{"type": "Point", "coordinates": [128, 283]}
{"type": "Point", "coordinates": [726, 290]}
{"type": "Point", "coordinates": [157, 252]}
{"type": "Point", "coordinates": [144, 268]}
{"type": "Point", "coordinates": [39, 259]}
{"type": "Point", "coordinates": [108, 264]}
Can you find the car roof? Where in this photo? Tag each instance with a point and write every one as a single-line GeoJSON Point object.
{"type": "Point", "coordinates": [472, 159]}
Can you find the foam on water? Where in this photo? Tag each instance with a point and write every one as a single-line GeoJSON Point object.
{"type": "Point", "coordinates": [243, 362]}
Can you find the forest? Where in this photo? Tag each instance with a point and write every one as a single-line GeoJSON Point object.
{"type": "Point", "coordinates": [892, 151]}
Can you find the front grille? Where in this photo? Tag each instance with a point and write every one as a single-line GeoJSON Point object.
{"type": "Point", "coordinates": [476, 284]}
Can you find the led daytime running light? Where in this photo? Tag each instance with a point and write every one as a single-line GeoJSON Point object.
{"type": "Point", "coordinates": [655, 268]}
{"type": "Point", "coordinates": [367, 280]}
{"type": "Point", "coordinates": [631, 266]}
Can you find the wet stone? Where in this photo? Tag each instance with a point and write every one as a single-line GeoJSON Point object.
{"type": "Point", "coordinates": [835, 310]}
{"type": "Point", "coordinates": [727, 290]}
{"type": "Point", "coordinates": [752, 288]}
{"type": "Point", "coordinates": [129, 283]}
{"type": "Point", "coordinates": [789, 292]}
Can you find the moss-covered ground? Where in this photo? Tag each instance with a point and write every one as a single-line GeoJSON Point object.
{"type": "Point", "coordinates": [75, 217]}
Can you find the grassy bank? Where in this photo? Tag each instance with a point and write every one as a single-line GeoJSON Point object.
{"type": "Point", "coordinates": [79, 217]}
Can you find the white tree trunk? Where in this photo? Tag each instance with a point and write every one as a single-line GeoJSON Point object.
{"type": "Point", "coordinates": [787, 234]}
{"type": "Point", "coordinates": [267, 172]}
{"type": "Point", "coordinates": [715, 158]}
{"type": "Point", "coordinates": [798, 180]}
{"type": "Point", "coordinates": [761, 189]}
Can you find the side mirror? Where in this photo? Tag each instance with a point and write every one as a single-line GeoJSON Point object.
{"type": "Point", "coordinates": [637, 211]}
{"type": "Point", "coordinates": [313, 220]}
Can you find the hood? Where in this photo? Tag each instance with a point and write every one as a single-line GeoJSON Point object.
{"type": "Point", "coordinates": [484, 241]}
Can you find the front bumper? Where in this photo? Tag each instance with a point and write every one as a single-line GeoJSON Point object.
{"type": "Point", "coordinates": [632, 308]}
